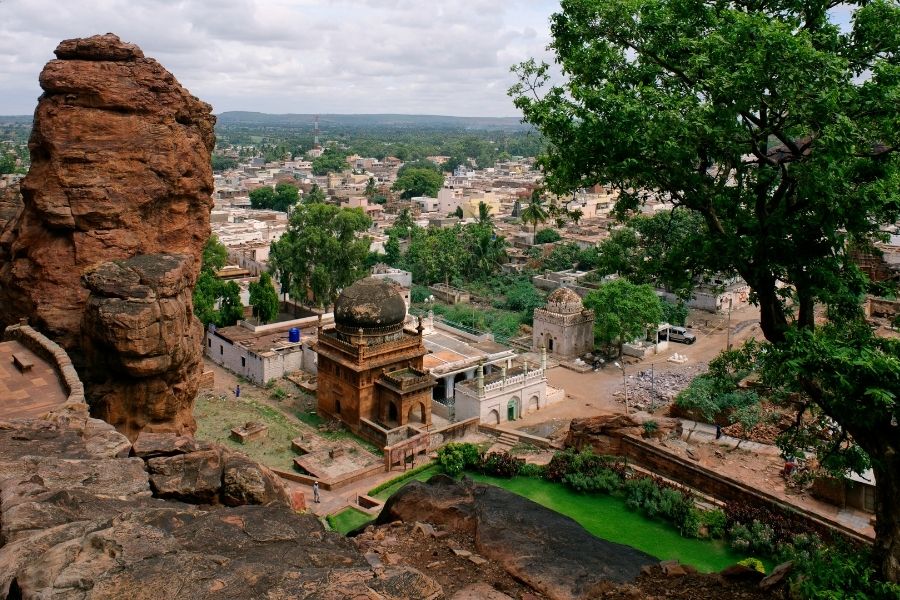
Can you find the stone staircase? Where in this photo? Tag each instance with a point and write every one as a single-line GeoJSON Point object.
{"type": "Point", "coordinates": [504, 443]}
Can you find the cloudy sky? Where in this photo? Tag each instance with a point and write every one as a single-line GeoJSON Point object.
{"type": "Point", "coordinates": [449, 57]}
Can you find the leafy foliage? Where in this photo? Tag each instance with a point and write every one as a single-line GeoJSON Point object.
{"type": "Point", "coordinates": [282, 198]}
{"type": "Point", "coordinates": [331, 161]}
{"type": "Point", "coordinates": [623, 311]}
{"type": "Point", "coordinates": [321, 252]}
{"type": "Point", "coordinates": [501, 464]}
{"type": "Point", "coordinates": [545, 236]}
{"type": "Point", "coordinates": [215, 254]}
{"type": "Point", "coordinates": [418, 182]}
{"type": "Point", "coordinates": [457, 456]}
{"type": "Point", "coordinates": [264, 298]}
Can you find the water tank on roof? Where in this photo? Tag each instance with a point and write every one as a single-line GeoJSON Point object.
{"type": "Point", "coordinates": [293, 335]}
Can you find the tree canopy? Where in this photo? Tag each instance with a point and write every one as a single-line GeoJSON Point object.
{"type": "Point", "coordinates": [418, 182]}
{"type": "Point", "coordinates": [264, 298]}
{"type": "Point", "coordinates": [780, 131]}
{"type": "Point", "coordinates": [623, 311]}
{"type": "Point", "coordinates": [282, 198]}
{"type": "Point", "coordinates": [216, 301]}
{"type": "Point", "coordinates": [321, 252]}
{"type": "Point", "coordinates": [331, 161]}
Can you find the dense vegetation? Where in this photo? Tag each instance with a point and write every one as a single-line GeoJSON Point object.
{"type": "Point", "coordinates": [215, 301]}
{"type": "Point", "coordinates": [779, 131]}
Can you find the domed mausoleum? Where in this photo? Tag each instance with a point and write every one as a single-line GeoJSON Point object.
{"type": "Point", "coordinates": [564, 326]}
{"type": "Point", "coordinates": [370, 372]}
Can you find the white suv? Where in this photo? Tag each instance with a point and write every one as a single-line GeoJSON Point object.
{"type": "Point", "coordinates": [680, 334]}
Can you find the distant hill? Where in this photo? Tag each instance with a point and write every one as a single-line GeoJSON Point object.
{"type": "Point", "coordinates": [15, 119]}
{"type": "Point", "coordinates": [386, 120]}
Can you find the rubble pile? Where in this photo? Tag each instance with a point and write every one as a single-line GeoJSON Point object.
{"type": "Point", "coordinates": [649, 389]}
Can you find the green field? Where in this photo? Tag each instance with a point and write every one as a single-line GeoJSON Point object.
{"type": "Point", "coordinates": [348, 519]}
{"type": "Point", "coordinates": [607, 517]}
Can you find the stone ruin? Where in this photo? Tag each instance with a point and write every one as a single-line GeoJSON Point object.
{"type": "Point", "coordinates": [102, 250]}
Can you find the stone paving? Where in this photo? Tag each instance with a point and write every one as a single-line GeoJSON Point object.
{"type": "Point", "coordinates": [28, 394]}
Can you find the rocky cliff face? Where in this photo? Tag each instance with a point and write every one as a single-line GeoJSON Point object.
{"type": "Point", "coordinates": [120, 157]}
{"type": "Point", "coordinates": [84, 514]}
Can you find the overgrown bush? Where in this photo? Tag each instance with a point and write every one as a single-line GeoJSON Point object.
{"type": "Point", "coordinates": [545, 236]}
{"type": "Point", "coordinates": [531, 470]}
{"type": "Point", "coordinates": [753, 563]}
{"type": "Point", "coordinates": [838, 572]}
{"type": "Point", "coordinates": [656, 499]}
{"type": "Point", "coordinates": [455, 457]}
{"type": "Point", "coordinates": [605, 481]}
{"type": "Point", "coordinates": [570, 461]}
{"type": "Point", "coordinates": [500, 464]}
{"type": "Point", "coordinates": [756, 537]}
{"type": "Point", "coordinates": [715, 521]}
{"type": "Point", "coordinates": [650, 427]}
{"type": "Point", "coordinates": [419, 293]}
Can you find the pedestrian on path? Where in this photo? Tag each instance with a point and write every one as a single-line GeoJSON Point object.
{"type": "Point", "coordinates": [316, 492]}
{"type": "Point", "coordinates": [237, 391]}
{"type": "Point", "coordinates": [718, 431]}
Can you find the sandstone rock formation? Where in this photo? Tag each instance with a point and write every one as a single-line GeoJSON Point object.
{"type": "Point", "coordinates": [141, 343]}
{"type": "Point", "coordinates": [602, 433]}
{"type": "Point", "coordinates": [548, 551]}
{"type": "Point", "coordinates": [10, 204]}
{"type": "Point", "coordinates": [120, 168]}
{"type": "Point", "coordinates": [80, 519]}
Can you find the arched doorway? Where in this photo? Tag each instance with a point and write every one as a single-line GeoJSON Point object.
{"type": "Point", "coordinates": [550, 345]}
{"type": "Point", "coordinates": [439, 392]}
{"type": "Point", "coordinates": [533, 403]}
{"type": "Point", "coordinates": [414, 416]}
{"type": "Point", "coordinates": [512, 409]}
{"type": "Point", "coordinates": [493, 417]}
{"type": "Point", "coordinates": [337, 407]}
{"type": "Point", "coordinates": [392, 412]}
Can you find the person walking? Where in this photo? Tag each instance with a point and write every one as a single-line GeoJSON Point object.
{"type": "Point", "coordinates": [316, 492]}
{"type": "Point", "coordinates": [237, 391]}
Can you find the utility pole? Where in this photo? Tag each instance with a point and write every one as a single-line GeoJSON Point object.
{"type": "Point", "coordinates": [624, 383]}
{"type": "Point", "coordinates": [728, 336]}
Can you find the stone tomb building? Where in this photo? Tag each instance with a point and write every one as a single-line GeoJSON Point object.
{"type": "Point", "coordinates": [564, 327]}
{"type": "Point", "coordinates": [370, 373]}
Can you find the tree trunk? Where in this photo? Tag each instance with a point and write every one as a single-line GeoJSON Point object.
{"type": "Point", "coordinates": [886, 466]}
{"type": "Point", "coordinates": [772, 319]}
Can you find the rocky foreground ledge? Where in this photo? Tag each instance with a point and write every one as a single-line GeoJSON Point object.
{"type": "Point", "coordinates": [86, 514]}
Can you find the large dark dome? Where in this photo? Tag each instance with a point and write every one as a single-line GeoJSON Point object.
{"type": "Point", "coordinates": [369, 303]}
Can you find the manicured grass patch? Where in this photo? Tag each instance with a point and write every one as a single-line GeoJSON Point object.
{"type": "Point", "coordinates": [216, 416]}
{"type": "Point", "coordinates": [387, 489]}
{"type": "Point", "coordinates": [607, 517]}
{"type": "Point", "coordinates": [347, 520]}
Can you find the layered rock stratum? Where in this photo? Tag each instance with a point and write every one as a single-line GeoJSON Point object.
{"type": "Point", "coordinates": [87, 515]}
{"type": "Point", "coordinates": [120, 171]}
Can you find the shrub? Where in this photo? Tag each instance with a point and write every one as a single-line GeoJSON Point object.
{"type": "Point", "coordinates": [839, 572]}
{"type": "Point", "coordinates": [531, 470]}
{"type": "Point", "coordinates": [715, 522]}
{"type": "Point", "coordinates": [419, 293]}
{"type": "Point", "coordinates": [650, 427]}
{"type": "Point", "coordinates": [753, 563]}
{"type": "Point", "coordinates": [545, 236]}
{"type": "Point", "coordinates": [756, 537]}
{"type": "Point", "coordinates": [278, 393]}
{"type": "Point", "coordinates": [500, 464]}
{"type": "Point", "coordinates": [585, 463]}
{"type": "Point", "coordinates": [605, 481]}
{"type": "Point", "coordinates": [455, 457]}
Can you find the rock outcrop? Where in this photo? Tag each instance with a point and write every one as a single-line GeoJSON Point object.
{"type": "Point", "coordinates": [81, 519]}
{"type": "Point", "coordinates": [549, 551]}
{"type": "Point", "coordinates": [141, 343]}
{"type": "Point", "coordinates": [603, 432]}
{"type": "Point", "coordinates": [120, 168]}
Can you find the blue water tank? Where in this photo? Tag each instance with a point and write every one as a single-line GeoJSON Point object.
{"type": "Point", "coordinates": [293, 334]}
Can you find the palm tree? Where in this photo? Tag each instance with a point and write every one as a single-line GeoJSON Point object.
{"type": "Point", "coordinates": [484, 213]}
{"type": "Point", "coordinates": [535, 212]}
{"type": "Point", "coordinates": [370, 188]}
{"type": "Point", "coordinates": [488, 250]}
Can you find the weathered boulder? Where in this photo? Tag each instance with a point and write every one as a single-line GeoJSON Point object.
{"type": "Point", "coordinates": [603, 432]}
{"type": "Point", "coordinates": [150, 445]}
{"type": "Point", "coordinates": [120, 167]}
{"type": "Point", "coordinates": [444, 501]}
{"type": "Point", "coordinates": [10, 204]}
{"type": "Point", "coordinates": [520, 535]}
{"type": "Point", "coordinates": [85, 526]}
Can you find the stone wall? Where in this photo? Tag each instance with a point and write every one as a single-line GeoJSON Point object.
{"type": "Point", "coordinates": [51, 352]}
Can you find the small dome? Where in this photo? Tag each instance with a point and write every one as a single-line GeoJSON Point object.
{"type": "Point", "coordinates": [565, 301]}
{"type": "Point", "coordinates": [370, 303]}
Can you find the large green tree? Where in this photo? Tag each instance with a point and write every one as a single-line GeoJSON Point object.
{"type": "Point", "coordinates": [418, 182]}
{"type": "Point", "coordinates": [776, 127]}
{"type": "Point", "coordinates": [623, 311]}
{"type": "Point", "coordinates": [215, 301]}
{"type": "Point", "coordinates": [323, 251]}
{"type": "Point", "coordinates": [264, 298]}
{"type": "Point", "coordinates": [331, 161]}
{"type": "Point", "coordinates": [282, 198]}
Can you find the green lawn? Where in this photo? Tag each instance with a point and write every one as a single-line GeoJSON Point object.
{"type": "Point", "coordinates": [399, 482]}
{"type": "Point", "coordinates": [607, 517]}
{"type": "Point", "coordinates": [348, 519]}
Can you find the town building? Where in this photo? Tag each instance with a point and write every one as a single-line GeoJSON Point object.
{"type": "Point", "coordinates": [370, 371]}
{"type": "Point", "coordinates": [564, 327]}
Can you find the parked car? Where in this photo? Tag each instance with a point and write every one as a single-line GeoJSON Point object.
{"type": "Point", "coordinates": [679, 334]}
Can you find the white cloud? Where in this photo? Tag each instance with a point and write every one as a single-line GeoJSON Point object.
{"type": "Point", "coordinates": [360, 56]}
